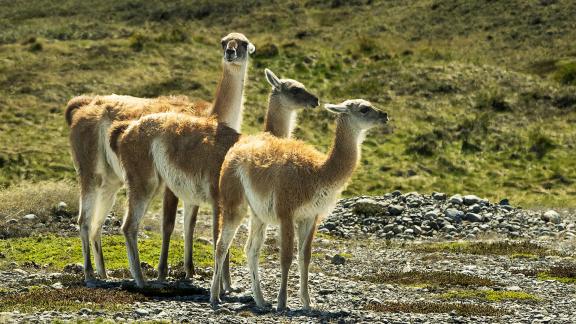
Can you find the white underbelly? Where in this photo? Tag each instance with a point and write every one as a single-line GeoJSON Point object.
{"type": "Point", "coordinates": [193, 189]}
{"type": "Point", "coordinates": [321, 204]}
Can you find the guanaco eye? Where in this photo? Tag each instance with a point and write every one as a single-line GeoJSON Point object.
{"type": "Point", "coordinates": [295, 90]}
{"type": "Point", "coordinates": [364, 109]}
{"type": "Point", "coordinates": [223, 44]}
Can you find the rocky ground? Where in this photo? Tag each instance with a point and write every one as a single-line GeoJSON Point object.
{"type": "Point", "coordinates": [388, 259]}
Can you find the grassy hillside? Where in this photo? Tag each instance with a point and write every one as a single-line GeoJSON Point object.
{"type": "Point", "coordinates": [482, 94]}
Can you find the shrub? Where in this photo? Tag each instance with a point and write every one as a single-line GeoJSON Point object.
{"type": "Point", "coordinates": [137, 42]}
{"type": "Point", "coordinates": [541, 144]}
{"type": "Point", "coordinates": [566, 73]}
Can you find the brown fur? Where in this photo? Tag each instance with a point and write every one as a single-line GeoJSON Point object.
{"type": "Point", "coordinates": [74, 104]}
{"type": "Point", "coordinates": [185, 153]}
{"type": "Point", "coordinates": [291, 184]}
{"type": "Point", "coordinates": [99, 175]}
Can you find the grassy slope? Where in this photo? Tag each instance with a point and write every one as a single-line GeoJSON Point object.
{"type": "Point", "coordinates": [479, 93]}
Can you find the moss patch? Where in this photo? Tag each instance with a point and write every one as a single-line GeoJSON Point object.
{"type": "Point", "coordinates": [565, 273]}
{"type": "Point", "coordinates": [428, 278]}
{"type": "Point", "coordinates": [462, 309]}
{"type": "Point", "coordinates": [57, 251]}
{"type": "Point", "coordinates": [69, 300]}
{"type": "Point", "coordinates": [512, 248]}
{"type": "Point", "coordinates": [489, 295]}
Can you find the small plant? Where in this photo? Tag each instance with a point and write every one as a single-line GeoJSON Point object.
{"type": "Point", "coordinates": [137, 42]}
{"type": "Point", "coordinates": [69, 299]}
{"type": "Point", "coordinates": [565, 273]}
{"type": "Point", "coordinates": [511, 248]}
{"type": "Point", "coordinates": [489, 295]}
{"type": "Point", "coordinates": [428, 278]}
{"type": "Point", "coordinates": [462, 309]}
{"type": "Point", "coordinates": [566, 73]}
{"type": "Point", "coordinates": [35, 47]}
{"type": "Point", "coordinates": [541, 144]}
{"type": "Point", "coordinates": [492, 100]}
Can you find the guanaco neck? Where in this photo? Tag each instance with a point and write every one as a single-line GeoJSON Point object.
{"type": "Point", "coordinates": [344, 155]}
{"type": "Point", "coordinates": [228, 104]}
{"type": "Point", "coordinates": [279, 119]}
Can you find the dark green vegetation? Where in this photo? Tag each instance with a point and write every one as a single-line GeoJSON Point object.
{"type": "Point", "coordinates": [68, 300]}
{"type": "Point", "coordinates": [489, 295]}
{"type": "Point", "coordinates": [428, 278]}
{"type": "Point", "coordinates": [462, 309]}
{"type": "Point", "coordinates": [481, 93]}
{"type": "Point", "coordinates": [510, 248]}
{"type": "Point", "coordinates": [57, 251]}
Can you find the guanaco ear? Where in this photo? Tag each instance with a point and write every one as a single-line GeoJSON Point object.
{"type": "Point", "coordinates": [337, 109]}
{"type": "Point", "coordinates": [251, 48]}
{"type": "Point", "coordinates": [272, 78]}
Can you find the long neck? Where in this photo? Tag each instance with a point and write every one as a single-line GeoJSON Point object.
{"type": "Point", "coordinates": [279, 119]}
{"type": "Point", "coordinates": [345, 153]}
{"type": "Point", "coordinates": [228, 104]}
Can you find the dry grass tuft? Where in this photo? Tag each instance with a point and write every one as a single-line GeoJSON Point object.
{"type": "Point", "coordinates": [40, 199]}
{"type": "Point", "coordinates": [511, 248]}
{"type": "Point", "coordinates": [462, 309]}
{"type": "Point", "coordinates": [70, 299]}
{"type": "Point", "coordinates": [429, 278]}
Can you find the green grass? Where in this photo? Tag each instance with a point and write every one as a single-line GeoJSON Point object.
{"type": "Point", "coordinates": [69, 300]}
{"type": "Point", "coordinates": [489, 295]}
{"type": "Point", "coordinates": [565, 273]}
{"type": "Point", "coordinates": [462, 309]}
{"type": "Point", "coordinates": [428, 279]}
{"type": "Point", "coordinates": [514, 249]}
{"type": "Point", "coordinates": [480, 94]}
{"type": "Point", "coordinates": [57, 251]}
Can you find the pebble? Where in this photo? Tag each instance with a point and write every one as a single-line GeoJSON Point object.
{"type": "Point", "coordinates": [338, 259]}
{"type": "Point", "coordinates": [141, 312]}
{"type": "Point", "coordinates": [29, 217]}
{"type": "Point", "coordinates": [551, 216]}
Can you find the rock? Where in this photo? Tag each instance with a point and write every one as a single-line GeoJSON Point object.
{"type": "Point", "coordinates": [20, 272]}
{"type": "Point", "coordinates": [338, 259]}
{"type": "Point", "coordinates": [513, 288]}
{"type": "Point", "coordinates": [504, 202]}
{"type": "Point", "coordinates": [85, 311]}
{"type": "Point", "coordinates": [222, 311]}
{"type": "Point", "coordinates": [439, 195]}
{"type": "Point", "coordinates": [73, 268]}
{"type": "Point", "coordinates": [454, 214]}
{"type": "Point", "coordinates": [396, 193]}
{"type": "Point", "coordinates": [147, 228]}
{"type": "Point", "coordinates": [472, 217]}
{"type": "Point", "coordinates": [29, 217]}
{"type": "Point", "coordinates": [57, 285]}
{"type": "Point", "coordinates": [456, 199]}
{"type": "Point", "coordinates": [474, 208]}
{"type": "Point", "coordinates": [449, 228]}
{"type": "Point", "coordinates": [395, 210]}
{"type": "Point", "coordinates": [471, 200]}
{"type": "Point", "coordinates": [409, 231]}
{"type": "Point", "coordinates": [141, 312]}
{"type": "Point", "coordinates": [2, 255]}
{"type": "Point", "coordinates": [12, 221]}
{"type": "Point", "coordinates": [61, 206]}
{"type": "Point", "coordinates": [551, 216]}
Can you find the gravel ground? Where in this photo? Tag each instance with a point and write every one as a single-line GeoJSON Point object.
{"type": "Point", "coordinates": [355, 250]}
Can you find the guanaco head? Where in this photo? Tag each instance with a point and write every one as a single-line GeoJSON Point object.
{"type": "Point", "coordinates": [236, 49]}
{"type": "Point", "coordinates": [291, 93]}
{"type": "Point", "coordinates": [361, 113]}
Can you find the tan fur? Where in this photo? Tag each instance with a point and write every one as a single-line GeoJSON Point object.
{"type": "Point", "coordinates": [288, 183]}
{"type": "Point", "coordinates": [97, 166]}
{"type": "Point", "coordinates": [183, 152]}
